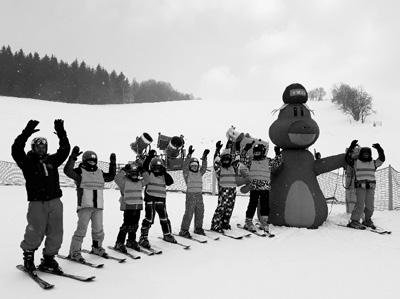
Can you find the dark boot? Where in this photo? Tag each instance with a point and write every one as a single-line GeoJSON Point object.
{"type": "Point", "coordinates": [98, 250]}
{"type": "Point", "coordinates": [48, 263]}
{"type": "Point", "coordinates": [369, 223]}
{"type": "Point", "coordinates": [120, 247]}
{"type": "Point", "coordinates": [355, 224]}
{"type": "Point", "coordinates": [169, 238]}
{"type": "Point", "coordinates": [133, 245]}
{"type": "Point", "coordinates": [185, 234]}
{"type": "Point", "coordinates": [29, 263]}
{"type": "Point", "coordinates": [144, 242]}
{"type": "Point", "coordinates": [199, 231]}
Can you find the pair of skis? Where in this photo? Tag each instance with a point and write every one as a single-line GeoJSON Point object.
{"type": "Point", "coordinates": [46, 285]}
{"type": "Point", "coordinates": [377, 230]}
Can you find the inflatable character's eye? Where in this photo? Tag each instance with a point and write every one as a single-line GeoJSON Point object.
{"type": "Point", "coordinates": [301, 111]}
{"type": "Point", "coordinates": [295, 111]}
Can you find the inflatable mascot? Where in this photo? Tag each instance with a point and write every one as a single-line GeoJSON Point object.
{"type": "Point", "coordinates": [296, 198]}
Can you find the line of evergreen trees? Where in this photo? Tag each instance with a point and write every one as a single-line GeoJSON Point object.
{"type": "Point", "coordinates": [47, 78]}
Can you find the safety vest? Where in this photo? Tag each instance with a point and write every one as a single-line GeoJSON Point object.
{"type": "Point", "coordinates": [365, 171]}
{"type": "Point", "coordinates": [92, 184]}
{"type": "Point", "coordinates": [132, 196]}
{"type": "Point", "coordinates": [156, 186]}
{"type": "Point", "coordinates": [194, 182]}
{"type": "Point", "coordinates": [227, 177]}
{"type": "Point", "coordinates": [259, 170]}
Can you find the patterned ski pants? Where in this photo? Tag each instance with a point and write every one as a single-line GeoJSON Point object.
{"type": "Point", "coordinates": [223, 212]}
{"type": "Point", "coordinates": [194, 205]}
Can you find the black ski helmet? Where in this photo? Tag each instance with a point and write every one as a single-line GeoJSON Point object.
{"type": "Point", "coordinates": [365, 154]}
{"type": "Point", "coordinates": [38, 142]}
{"type": "Point", "coordinates": [259, 150]}
{"type": "Point", "coordinates": [89, 160]}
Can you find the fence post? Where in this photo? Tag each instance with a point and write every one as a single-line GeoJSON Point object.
{"type": "Point", "coordinates": [390, 180]}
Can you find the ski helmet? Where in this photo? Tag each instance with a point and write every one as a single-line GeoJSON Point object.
{"type": "Point", "coordinates": [89, 160]}
{"type": "Point", "coordinates": [194, 165]}
{"type": "Point", "coordinates": [365, 154]}
{"type": "Point", "coordinates": [133, 172]}
{"type": "Point", "coordinates": [157, 166]}
{"type": "Point", "coordinates": [39, 146]}
{"type": "Point", "coordinates": [259, 151]}
{"type": "Point", "coordinates": [226, 158]}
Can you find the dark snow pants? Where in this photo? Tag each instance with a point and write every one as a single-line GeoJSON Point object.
{"type": "Point", "coordinates": [45, 218]}
{"type": "Point", "coordinates": [194, 205]}
{"type": "Point", "coordinates": [223, 212]}
{"type": "Point", "coordinates": [258, 197]}
{"type": "Point", "coordinates": [152, 205]}
{"type": "Point", "coordinates": [129, 226]}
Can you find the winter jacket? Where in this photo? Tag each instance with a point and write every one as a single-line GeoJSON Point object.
{"type": "Point", "coordinates": [194, 180]}
{"type": "Point", "coordinates": [88, 198]}
{"type": "Point", "coordinates": [42, 181]}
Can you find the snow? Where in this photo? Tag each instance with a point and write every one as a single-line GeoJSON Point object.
{"type": "Point", "coordinates": [331, 262]}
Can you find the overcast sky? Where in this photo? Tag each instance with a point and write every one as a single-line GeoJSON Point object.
{"type": "Point", "coordinates": [224, 49]}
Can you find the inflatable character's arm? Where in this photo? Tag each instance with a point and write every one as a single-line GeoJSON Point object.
{"type": "Point", "coordinates": [381, 153]}
{"type": "Point", "coordinates": [329, 163]}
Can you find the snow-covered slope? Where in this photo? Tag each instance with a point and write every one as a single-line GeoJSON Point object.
{"type": "Point", "coordinates": [112, 128]}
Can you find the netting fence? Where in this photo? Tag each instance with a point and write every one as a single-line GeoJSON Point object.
{"type": "Point", "coordinates": [333, 184]}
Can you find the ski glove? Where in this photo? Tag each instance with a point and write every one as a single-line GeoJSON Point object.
{"type": "Point", "coordinates": [377, 146]}
{"type": "Point", "coordinates": [218, 146]}
{"type": "Point", "coordinates": [75, 152]}
{"type": "Point", "coordinates": [205, 153]}
{"type": "Point", "coordinates": [30, 128]}
{"type": "Point", "coordinates": [277, 150]}
{"type": "Point", "coordinates": [249, 146]}
{"type": "Point", "coordinates": [353, 144]}
{"type": "Point", "coordinates": [191, 150]}
{"type": "Point", "coordinates": [152, 153]}
{"type": "Point", "coordinates": [59, 128]}
{"type": "Point", "coordinates": [113, 158]}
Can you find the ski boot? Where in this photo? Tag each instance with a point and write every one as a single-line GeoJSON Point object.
{"type": "Point", "coordinates": [29, 263]}
{"type": "Point", "coordinates": [217, 229]}
{"type": "Point", "coordinates": [76, 256]}
{"type": "Point", "coordinates": [185, 234]}
{"type": "Point", "coordinates": [355, 224]}
{"type": "Point", "coordinates": [226, 226]}
{"type": "Point", "coordinates": [264, 224]}
{"type": "Point", "coordinates": [48, 263]}
{"type": "Point", "coordinates": [144, 242]}
{"type": "Point", "coordinates": [249, 225]}
{"type": "Point", "coordinates": [169, 238]}
{"type": "Point", "coordinates": [369, 223]}
{"type": "Point", "coordinates": [133, 245]}
{"type": "Point", "coordinates": [98, 250]}
{"type": "Point", "coordinates": [120, 247]}
{"type": "Point", "coordinates": [199, 231]}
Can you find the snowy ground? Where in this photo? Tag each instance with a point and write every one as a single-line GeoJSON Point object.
{"type": "Point", "coordinates": [331, 262]}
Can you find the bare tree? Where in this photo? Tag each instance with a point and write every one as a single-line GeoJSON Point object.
{"type": "Point", "coordinates": [354, 101]}
{"type": "Point", "coordinates": [317, 94]}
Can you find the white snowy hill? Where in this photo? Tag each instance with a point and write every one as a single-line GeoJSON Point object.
{"type": "Point", "coordinates": [330, 262]}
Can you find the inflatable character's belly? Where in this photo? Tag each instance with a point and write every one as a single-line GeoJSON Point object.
{"type": "Point", "coordinates": [299, 207]}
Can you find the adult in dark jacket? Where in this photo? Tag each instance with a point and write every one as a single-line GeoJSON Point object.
{"type": "Point", "coordinates": [45, 210]}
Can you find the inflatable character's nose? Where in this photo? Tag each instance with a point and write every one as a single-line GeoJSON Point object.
{"type": "Point", "coordinates": [302, 133]}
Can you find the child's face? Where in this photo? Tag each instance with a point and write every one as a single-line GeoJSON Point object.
{"type": "Point", "coordinates": [194, 167]}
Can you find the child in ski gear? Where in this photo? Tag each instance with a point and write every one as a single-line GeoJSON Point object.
{"type": "Point", "coordinates": [258, 170]}
{"type": "Point", "coordinates": [89, 180]}
{"type": "Point", "coordinates": [193, 176]}
{"type": "Point", "coordinates": [365, 168]}
{"type": "Point", "coordinates": [155, 178]}
{"type": "Point", "coordinates": [226, 171]}
{"type": "Point", "coordinates": [45, 211]}
{"type": "Point", "coordinates": [130, 184]}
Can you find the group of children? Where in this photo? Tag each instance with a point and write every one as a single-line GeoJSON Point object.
{"type": "Point", "coordinates": [231, 165]}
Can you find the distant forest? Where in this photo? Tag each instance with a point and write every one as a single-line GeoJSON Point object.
{"type": "Point", "coordinates": [47, 78]}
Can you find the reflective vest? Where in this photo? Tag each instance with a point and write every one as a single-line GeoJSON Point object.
{"type": "Point", "coordinates": [365, 171]}
{"type": "Point", "coordinates": [227, 177]}
{"type": "Point", "coordinates": [92, 185]}
{"type": "Point", "coordinates": [132, 196]}
{"type": "Point", "coordinates": [156, 186]}
{"type": "Point", "coordinates": [259, 170]}
{"type": "Point", "coordinates": [194, 182]}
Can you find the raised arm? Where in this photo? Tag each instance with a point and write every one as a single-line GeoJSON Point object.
{"type": "Point", "coordinates": [109, 176]}
{"type": "Point", "coordinates": [203, 168]}
{"type": "Point", "coordinates": [17, 149]}
{"type": "Point", "coordinates": [69, 166]}
{"type": "Point", "coordinates": [64, 147]}
{"type": "Point", "coordinates": [381, 153]}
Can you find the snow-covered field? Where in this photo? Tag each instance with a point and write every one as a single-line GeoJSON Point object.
{"type": "Point", "coordinates": [331, 262]}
